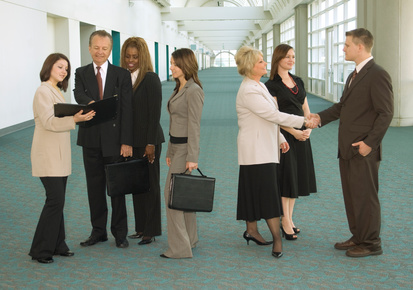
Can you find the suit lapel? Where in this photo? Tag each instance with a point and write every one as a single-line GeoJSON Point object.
{"type": "Point", "coordinates": [110, 83]}
{"type": "Point", "coordinates": [264, 90]}
{"type": "Point", "coordinates": [173, 98]}
{"type": "Point", "coordinates": [55, 93]}
{"type": "Point", "coordinates": [91, 79]}
{"type": "Point", "coordinates": [360, 75]}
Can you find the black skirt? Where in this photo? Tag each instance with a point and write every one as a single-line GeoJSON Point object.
{"type": "Point", "coordinates": [258, 193]}
{"type": "Point", "coordinates": [296, 174]}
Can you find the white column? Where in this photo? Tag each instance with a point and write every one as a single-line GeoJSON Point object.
{"type": "Point", "coordinates": [391, 24]}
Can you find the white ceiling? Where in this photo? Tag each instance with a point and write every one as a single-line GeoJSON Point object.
{"type": "Point", "coordinates": [226, 24]}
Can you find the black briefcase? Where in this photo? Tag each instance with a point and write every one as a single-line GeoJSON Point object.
{"type": "Point", "coordinates": [191, 193]}
{"type": "Point", "coordinates": [129, 176]}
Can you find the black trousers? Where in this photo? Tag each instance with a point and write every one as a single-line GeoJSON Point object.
{"type": "Point", "coordinates": [147, 206]}
{"type": "Point", "coordinates": [94, 163]}
{"type": "Point", "coordinates": [49, 238]}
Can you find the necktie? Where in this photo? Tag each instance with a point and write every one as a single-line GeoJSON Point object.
{"type": "Point", "coordinates": [99, 79]}
{"type": "Point", "coordinates": [353, 76]}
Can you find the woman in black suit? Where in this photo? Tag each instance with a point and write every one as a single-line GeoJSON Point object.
{"type": "Point", "coordinates": [147, 134]}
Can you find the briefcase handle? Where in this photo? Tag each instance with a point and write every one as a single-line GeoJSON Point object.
{"type": "Point", "coordinates": [198, 171]}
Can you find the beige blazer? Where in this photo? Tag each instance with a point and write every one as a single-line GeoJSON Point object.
{"type": "Point", "coordinates": [50, 154]}
{"type": "Point", "coordinates": [259, 136]}
{"type": "Point", "coordinates": [185, 110]}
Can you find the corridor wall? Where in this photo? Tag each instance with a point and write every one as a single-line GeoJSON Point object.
{"type": "Point", "coordinates": [34, 29]}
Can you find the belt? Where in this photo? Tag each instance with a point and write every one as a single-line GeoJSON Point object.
{"type": "Point", "coordinates": [178, 140]}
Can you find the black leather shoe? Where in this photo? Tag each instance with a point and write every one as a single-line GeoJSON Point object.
{"type": "Point", "coordinates": [136, 236]}
{"type": "Point", "coordinates": [122, 243]}
{"type": "Point", "coordinates": [67, 254]}
{"type": "Point", "coordinates": [93, 240]}
{"type": "Point", "coordinates": [44, 260]}
{"type": "Point", "coordinates": [146, 241]}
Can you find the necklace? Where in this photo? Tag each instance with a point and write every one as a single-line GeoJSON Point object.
{"type": "Point", "coordinates": [294, 88]}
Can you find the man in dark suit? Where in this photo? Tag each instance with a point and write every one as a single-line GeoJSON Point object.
{"type": "Point", "coordinates": [104, 143]}
{"type": "Point", "coordinates": [365, 111]}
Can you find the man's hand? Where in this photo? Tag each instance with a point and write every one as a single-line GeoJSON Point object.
{"type": "Point", "coordinates": [126, 150]}
{"type": "Point", "coordinates": [313, 121]}
{"type": "Point", "coordinates": [364, 149]}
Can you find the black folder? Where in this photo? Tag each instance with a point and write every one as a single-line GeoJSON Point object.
{"type": "Point", "coordinates": [105, 110]}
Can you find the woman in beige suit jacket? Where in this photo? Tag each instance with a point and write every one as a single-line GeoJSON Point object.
{"type": "Point", "coordinates": [259, 142]}
{"type": "Point", "coordinates": [185, 109]}
{"type": "Point", "coordinates": [51, 157]}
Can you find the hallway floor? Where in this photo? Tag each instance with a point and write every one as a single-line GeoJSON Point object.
{"type": "Point", "coordinates": [222, 258]}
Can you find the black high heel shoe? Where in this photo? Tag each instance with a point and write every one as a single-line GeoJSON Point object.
{"type": "Point", "coordinates": [249, 238]}
{"type": "Point", "coordinates": [277, 254]}
{"type": "Point", "coordinates": [296, 230]}
{"type": "Point", "coordinates": [288, 236]}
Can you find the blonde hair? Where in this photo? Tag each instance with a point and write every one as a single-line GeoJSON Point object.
{"type": "Point", "coordinates": [246, 58]}
{"type": "Point", "coordinates": [144, 58]}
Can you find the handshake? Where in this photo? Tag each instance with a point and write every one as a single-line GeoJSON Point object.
{"type": "Point", "coordinates": [312, 121]}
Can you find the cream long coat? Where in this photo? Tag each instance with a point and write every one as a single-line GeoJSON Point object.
{"type": "Point", "coordinates": [51, 152]}
{"type": "Point", "coordinates": [259, 136]}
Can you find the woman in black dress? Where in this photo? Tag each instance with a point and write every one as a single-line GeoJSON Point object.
{"type": "Point", "coordinates": [296, 175]}
{"type": "Point", "coordinates": [147, 135]}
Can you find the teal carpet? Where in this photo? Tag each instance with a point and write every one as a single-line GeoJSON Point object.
{"type": "Point", "coordinates": [222, 258]}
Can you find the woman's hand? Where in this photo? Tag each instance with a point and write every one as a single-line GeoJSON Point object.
{"type": "Point", "coordinates": [168, 161]}
{"type": "Point", "coordinates": [150, 153]}
{"type": "Point", "coordinates": [284, 147]}
{"type": "Point", "coordinates": [301, 135]}
{"type": "Point", "coordinates": [83, 118]}
{"type": "Point", "coordinates": [191, 166]}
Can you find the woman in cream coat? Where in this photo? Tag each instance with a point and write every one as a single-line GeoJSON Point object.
{"type": "Point", "coordinates": [185, 109]}
{"type": "Point", "coordinates": [259, 142]}
{"type": "Point", "coordinates": [51, 157]}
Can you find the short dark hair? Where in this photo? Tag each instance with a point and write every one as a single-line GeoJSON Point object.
{"type": "Point", "coordinates": [47, 69]}
{"type": "Point", "coordinates": [101, 33]}
{"type": "Point", "coordinates": [362, 35]}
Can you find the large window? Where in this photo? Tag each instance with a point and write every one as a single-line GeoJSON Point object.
{"type": "Point", "coordinates": [287, 31]}
{"type": "Point", "coordinates": [328, 20]}
{"type": "Point", "coordinates": [270, 48]}
{"type": "Point", "coordinates": [225, 58]}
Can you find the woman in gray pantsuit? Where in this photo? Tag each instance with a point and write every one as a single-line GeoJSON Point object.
{"type": "Point", "coordinates": [185, 109]}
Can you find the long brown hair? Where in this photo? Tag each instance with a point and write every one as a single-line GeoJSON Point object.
{"type": "Point", "coordinates": [47, 69]}
{"type": "Point", "coordinates": [185, 59]}
{"type": "Point", "coordinates": [279, 53]}
{"type": "Point", "coordinates": [144, 58]}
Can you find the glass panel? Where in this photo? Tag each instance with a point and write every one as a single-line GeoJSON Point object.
{"type": "Point", "coordinates": [341, 35]}
{"type": "Point", "coordinates": [314, 24]}
{"type": "Point", "coordinates": [340, 13]}
{"type": "Point", "coordinates": [315, 39]}
{"type": "Point", "coordinates": [322, 88]}
{"type": "Point", "coordinates": [322, 71]}
{"type": "Point", "coordinates": [322, 20]}
{"type": "Point", "coordinates": [315, 55]}
{"type": "Point", "coordinates": [314, 73]}
{"type": "Point", "coordinates": [322, 38]}
{"type": "Point", "coordinates": [322, 5]}
{"type": "Point", "coordinates": [322, 55]}
{"type": "Point", "coordinates": [351, 25]}
{"type": "Point", "coordinates": [330, 19]}
{"type": "Point", "coordinates": [351, 9]}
